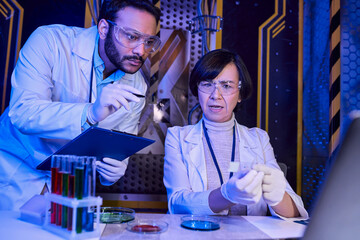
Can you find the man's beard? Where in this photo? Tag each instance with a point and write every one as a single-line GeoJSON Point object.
{"type": "Point", "coordinates": [114, 56]}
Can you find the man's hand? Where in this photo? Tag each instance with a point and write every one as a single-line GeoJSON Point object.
{"type": "Point", "coordinates": [111, 98]}
{"type": "Point", "coordinates": [111, 170]}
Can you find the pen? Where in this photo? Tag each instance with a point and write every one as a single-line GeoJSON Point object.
{"type": "Point", "coordinates": [138, 95]}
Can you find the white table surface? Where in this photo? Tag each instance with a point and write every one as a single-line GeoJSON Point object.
{"type": "Point", "coordinates": [234, 227]}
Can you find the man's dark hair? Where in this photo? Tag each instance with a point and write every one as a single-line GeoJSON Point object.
{"type": "Point", "coordinates": [109, 8]}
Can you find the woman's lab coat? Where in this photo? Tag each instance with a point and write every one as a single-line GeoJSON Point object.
{"type": "Point", "coordinates": [50, 89]}
{"type": "Point", "coordinates": [185, 175]}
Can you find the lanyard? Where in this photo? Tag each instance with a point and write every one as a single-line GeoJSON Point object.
{"type": "Point", "coordinates": [213, 154]}
{"type": "Point", "coordinates": [91, 78]}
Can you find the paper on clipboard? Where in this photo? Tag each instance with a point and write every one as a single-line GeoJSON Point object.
{"type": "Point", "coordinates": [100, 142]}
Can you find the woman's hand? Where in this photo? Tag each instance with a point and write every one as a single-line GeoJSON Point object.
{"type": "Point", "coordinates": [244, 190]}
{"type": "Point", "coordinates": [273, 184]}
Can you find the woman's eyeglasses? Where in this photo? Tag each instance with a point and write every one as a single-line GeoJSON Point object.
{"type": "Point", "coordinates": [226, 87]}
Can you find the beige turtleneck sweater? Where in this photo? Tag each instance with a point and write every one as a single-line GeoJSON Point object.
{"type": "Point", "coordinates": [221, 140]}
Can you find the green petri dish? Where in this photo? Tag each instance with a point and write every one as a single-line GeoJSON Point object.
{"type": "Point", "coordinates": [116, 215]}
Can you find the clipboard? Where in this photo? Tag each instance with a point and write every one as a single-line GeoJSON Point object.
{"type": "Point", "coordinates": [100, 142]}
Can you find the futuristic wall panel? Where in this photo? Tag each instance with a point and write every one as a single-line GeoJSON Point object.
{"type": "Point", "coordinates": [18, 19]}
{"type": "Point", "coordinates": [11, 26]}
{"type": "Point", "coordinates": [265, 34]}
{"type": "Point", "coordinates": [316, 86]}
{"type": "Point", "coordinates": [350, 60]}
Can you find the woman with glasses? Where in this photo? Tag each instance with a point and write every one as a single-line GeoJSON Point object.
{"type": "Point", "coordinates": [218, 166]}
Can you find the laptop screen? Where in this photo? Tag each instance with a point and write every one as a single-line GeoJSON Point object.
{"type": "Point", "coordinates": [336, 214]}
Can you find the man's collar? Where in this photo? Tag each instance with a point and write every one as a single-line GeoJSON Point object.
{"type": "Point", "coordinates": [97, 59]}
{"type": "Point", "coordinates": [85, 41]}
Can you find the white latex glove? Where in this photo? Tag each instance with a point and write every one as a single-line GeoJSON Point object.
{"type": "Point", "coordinates": [244, 190]}
{"type": "Point", "coordinates": [111, 170]}
{"type": "Point", "coordinates": [111, 98]}
{"type": "Point", "coordinates": [273, 185]}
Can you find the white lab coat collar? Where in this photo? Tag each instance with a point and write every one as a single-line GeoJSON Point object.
{"type": "Point", "coordinates": [85, 44]}
{"type": "Point", "coordinates": [84, 49]}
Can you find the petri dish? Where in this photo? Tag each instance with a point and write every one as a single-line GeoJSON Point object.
{"type": "Point", "coordinates": [200, 223]}
{"type": "Point", "coordinates": [147, 226]}
{"type": "Point", "coordinates": [116, 214]}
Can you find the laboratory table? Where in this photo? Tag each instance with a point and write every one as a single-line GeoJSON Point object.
{"type": "Point", "coordinates": [231, 227]}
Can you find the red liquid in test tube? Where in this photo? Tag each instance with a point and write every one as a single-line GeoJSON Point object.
{"type": "Point", "coordinates": [59, 192]}
{"type": "Point", "coordinates": [71, 192]}
{"type": "Point", "coordinates": [54, 172]}
{"type": "Point", "coordinates": [65, 169]}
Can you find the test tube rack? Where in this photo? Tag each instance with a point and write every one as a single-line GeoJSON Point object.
{"type": "Point", "coordinates": [74, 204]}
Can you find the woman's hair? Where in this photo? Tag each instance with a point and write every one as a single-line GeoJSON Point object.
{"type": "Point", "coordinates": [210, 66]}
{"type": "Point", "coordinates": [109, 8]}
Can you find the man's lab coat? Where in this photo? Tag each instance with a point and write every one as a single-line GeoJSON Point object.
{"type": "Point", "coordinates": [50, 89]}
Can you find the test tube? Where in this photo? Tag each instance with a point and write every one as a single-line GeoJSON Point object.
{"type": "Point", "coordinates": [86, 176]}
{"type": "Point", "coordinates": [93, 177]}
{"type": "Point", "coordinates": [89, 191]}
{"type": "Point", "coordinates": [71, 192]}
{"type": "Point", "coordinates": [79, 178]}
{"type": "Point", "coordinates": [79, 184]}
{"type": "Point", "coordinates": [65, 171]}
{"type": "Point", "coordinates": [59, 190]}
{"type": "Point", "coordinates": [54, 185]}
